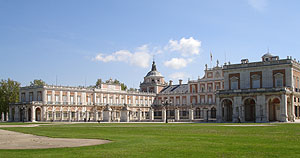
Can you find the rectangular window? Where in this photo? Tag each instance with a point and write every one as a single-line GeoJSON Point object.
{"type": "Point", "coordinates": [57, 99]}
{"type": "Point", "coordinates": [23, 97]}
{"type": "Point", "coordinates": [79, 100]}
{"type": "Point", "coordinates": [49, 98]}
{"type": "Point", "coordinates": [39, 96]}
{"type": "Point", "coordinates": [72, 99]}
{"type": "Point", "coordinates": [30, 96]}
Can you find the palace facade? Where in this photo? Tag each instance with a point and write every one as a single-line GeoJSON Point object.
{"type": "Point", "coordinates": [155, 101]}
{"type": "Point", "coordinates": [263, 91]}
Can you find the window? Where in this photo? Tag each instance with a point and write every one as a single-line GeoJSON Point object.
{"type": "Point", "coordinates": [202, 100]}
{"type": "Point", "coordinates": [57, 114]}
{"type": "Point", "coordinates": [209, 88]}
{"type": "Point", "coordinates": [23, 97]}
{"type": "Point", "coordinates": [31, 96]}
{"type": "Point", "coordinates": [57, 99]}
{"type": "Point", "coordinates": [65, 99]}
{"type": "Point", "coordinates": [193, 88]}
{"type": "Point", "coordinates": [79, 100]}
{"type": "Point", "coordinates": [65, 114]}
{"type": "Point", "coordinates": [194, 100]}
{"type": "Point", "coordinates": [39, 96]}
{"type": "Point", "coordinates": [202, 88]}
{"type": "Point", "coordinates": [234, 81]}
{"type": "Point", "coordinates": [255, 81]}
{"type": "Point", "coordinates": [278, 80]}
{"type": "Point", "coordinates": [72, 99]}
{"type": "Point", "coordinates": [49, 98]}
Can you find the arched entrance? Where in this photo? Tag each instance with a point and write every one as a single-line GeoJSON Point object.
{"type": "Point", "coordinates": [38, 114]}
{"type": "Point", "coordinates": [213, 112]}
{"type": "Point", "coordinates": [274, 109]}
{"type": "Point", "coordinates": [29, 114]}
{"type": "Point", "coordinates": [249, 109]}
{"type": "Point", "coordinates": [227, 110]}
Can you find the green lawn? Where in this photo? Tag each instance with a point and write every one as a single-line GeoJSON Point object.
{"type": "Point", "coordinates": [171, 140]}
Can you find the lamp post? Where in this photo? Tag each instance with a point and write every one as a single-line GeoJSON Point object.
{"type": "Point", "coordinates": [166, 103]}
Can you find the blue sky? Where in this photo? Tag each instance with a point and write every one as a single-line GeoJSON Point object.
{"type": "Point", "coordinates": [79, 41]}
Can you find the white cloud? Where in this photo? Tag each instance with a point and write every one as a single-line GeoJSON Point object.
{"type": "Point", "coordinates": [178, 75]}
{"type": "Point", "coordinates": [185, 46]}
{"type": "Point", "coordinates": [259, 5]}
{"type": "Point", "coordinates": [140, 58]}
{"type": "Point", "coordinates": [177, 63]}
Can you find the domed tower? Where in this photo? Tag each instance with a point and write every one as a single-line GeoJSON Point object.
{"type": "Point", "coordinates": [153, 81]}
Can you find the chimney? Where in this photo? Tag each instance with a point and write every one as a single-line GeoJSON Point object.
{"type": "Point", "coordinates": [170, 83]}
{"type": "Point", "coordinates": [180, 81]}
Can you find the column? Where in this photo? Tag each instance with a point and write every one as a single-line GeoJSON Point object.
{"type": "Point", "coordinates": [107, 114]}
{"type": "Point", "coordinates": [7, 118]}
{"type": "Point", "coordinates": [54, 115]}
{"type": "Point", "coordinates": [87, 114]}
{"type": "Point", "coordinates": [260, 109]}
{"type": "Point", "coordinates": [10, 113]}
{"type": "Point", "coordinates": [101, 97]}
{"type": "Point", "coordinates": [126, 99]}
{"type": "Point", "coordinates": [191, 114]}
{"type": "Point", "coordinates": [219, 110]}
{"type": "Point", "coordinates": [139, 115]}
{"type": "Point", "coordinates": [68, 98]}
{"type": "Point", "coordinates": [205, 114]}
{"type": "Point", "coordinates": [180, 100]}
{"type": "Point", "coordinates": [70, 115]}
{"type": "Point", "coordinates": [177, 117]}
{"type": "Point", "coordinates": [283, 108]}
{"type": "Point", "coordinates": [237, 103]}
{"type": "Point", "coordinates": [292, 109]}
{"type": "Point", "coordinates": [96, 118]}
{"type": "Point", "coordinates": [151, 115]}
{"type": "Point", "coordinates": [53, 96]}
{"type": "Point", "coordinates": [61, 114]}
{"type": "Point", "coordinates": [75, 98]}
{"type": "Point", "coordinates": [33, 114]}
{"type": "Point", "coordinates": [164, 115]}
{"type": "Point", "coordinates": [124, 115]}
{"type": "Point", "coordinates": [44, 97]}
{"type": "Point", "coordinates": [60, 97]}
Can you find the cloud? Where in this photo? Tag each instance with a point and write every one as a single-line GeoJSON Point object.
{"type": "Point", "coordinates": [259, 5]}
{"type": "Point", "coordinates": [178, 75]}
{"type": "Point", "coordinates": [177, 63]}
{"type": "Point", "coordinates": [185, 46]}
{"type": "Point", "coordinates": [141, 57]}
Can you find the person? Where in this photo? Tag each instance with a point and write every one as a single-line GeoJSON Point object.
{"type": "Point", "coordinates": [89, 119]}
{"type": "Point", "coordinates": [239, 119]}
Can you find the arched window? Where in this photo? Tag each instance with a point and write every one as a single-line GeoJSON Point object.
{"type": "Point", "coordinates": [234, 82]}
{"type": "Point", "coordinates": [278, 80]}
{"type": "Point", "coordinates": [213, 113]}
{"type": "Point", "coordinates": [255, 81]}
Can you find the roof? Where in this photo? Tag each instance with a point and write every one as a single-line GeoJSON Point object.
{"type": "Point", "coordinates": [268, 55]}
{"type": "Point", "coordinates": [183, 88]}
{"type": "Point", "coordinates": [154, 72]}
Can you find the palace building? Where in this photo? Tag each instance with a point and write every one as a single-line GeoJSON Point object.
{"type": "Point", "coordinates": [155, 101]}
{"type": "Point", "coordinates": [263, 91]}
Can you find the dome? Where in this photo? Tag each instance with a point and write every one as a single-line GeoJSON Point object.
{"type": "Point", "coordinates": [154, 72]}
{"type": "Point", "coordinates": [267, 55]}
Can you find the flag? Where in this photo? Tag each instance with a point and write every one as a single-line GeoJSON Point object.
{"type": "Point", "coordinates": [211, 56]}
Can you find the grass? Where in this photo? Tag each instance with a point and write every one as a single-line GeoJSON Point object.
{"type": "Point", "coordinates": [171, 140]}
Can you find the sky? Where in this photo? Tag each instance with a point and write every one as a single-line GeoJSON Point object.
{"type": "Point", "coordinates": [75, 42]}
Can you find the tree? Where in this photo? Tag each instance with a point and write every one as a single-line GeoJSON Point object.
{"type": "Point", "coordinates": [9, 93]}
{"type": "Point", "coordinates": [123, 86]}
{"type": "Point", "coordinates": [38, 83]}
{"type": "Point", "coordinates": [98, 83]}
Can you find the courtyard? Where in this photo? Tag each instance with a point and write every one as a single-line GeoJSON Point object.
{"type": "Point", "coordinates": [163, 140]}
